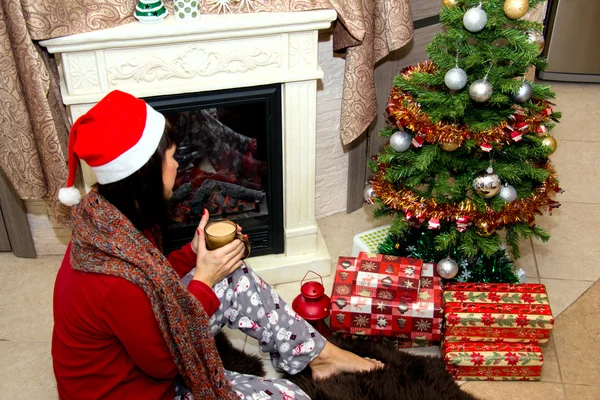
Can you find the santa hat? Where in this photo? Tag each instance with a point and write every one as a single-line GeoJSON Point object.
{"type": "Point", "coordinates": [115, 138]}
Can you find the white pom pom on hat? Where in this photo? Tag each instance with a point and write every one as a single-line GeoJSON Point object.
{"type": "Point", "coordinates": [115, 138]}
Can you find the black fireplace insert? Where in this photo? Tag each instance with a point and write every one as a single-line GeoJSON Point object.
{"type": "Point", "coordinates": [230, 162]}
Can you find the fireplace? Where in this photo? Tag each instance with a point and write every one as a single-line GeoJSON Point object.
{"type": "Point", "coordinates": [230, 163]}
{"type": "Point", "coordinates": [175, 64]}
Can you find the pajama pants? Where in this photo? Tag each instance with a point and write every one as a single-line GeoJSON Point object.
{"type": "Point", "coordinates": [252, 306]}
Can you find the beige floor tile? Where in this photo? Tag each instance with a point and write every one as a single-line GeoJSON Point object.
{"type": "Point", "coordinates": [515, 390]}
{"type": "Point", "coordinates": [580, 392]}
{"type": "Point", "coordinates": [578, 104]}
{"type": "Point", "coordinates": [563, 293]}
{"type": "Point", "coordinates": [576, 332]}
{"type": "Point", "coordinates": [26, 371]}
{"type": "Point", "coordinates": [577, 164]}
{"type": "Point", "coordinates": [573, 249]}
{"type": "Point", "coordinates": [551, 370]}
{"type": "Point", "coordinates": [26, 297]}
{"type": "Point", "coordinates": [527, 260]}
{"type": "Point", "coordinates": [339, 229]}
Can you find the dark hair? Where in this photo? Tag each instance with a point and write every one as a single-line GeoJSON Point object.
{"type": "Point", "coordinates": [140, 196]}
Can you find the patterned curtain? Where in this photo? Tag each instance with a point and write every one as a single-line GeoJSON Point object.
{"type": "Point", "coordinates": [34, 127]}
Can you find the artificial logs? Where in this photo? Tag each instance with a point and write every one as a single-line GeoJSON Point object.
{"type": "Point", "coordinates": [516, 9]}
{"type": "Point", "coordinates": [443, 201]}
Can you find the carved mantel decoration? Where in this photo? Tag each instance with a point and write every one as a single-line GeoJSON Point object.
{"type": "Point", "coordinates": [219, 52]}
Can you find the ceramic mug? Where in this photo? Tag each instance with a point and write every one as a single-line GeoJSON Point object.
{"type": "Point", "coordinates": [186, 10]}
{"type": "Point", "coordinates": [221, 232]}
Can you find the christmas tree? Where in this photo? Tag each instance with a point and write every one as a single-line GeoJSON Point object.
{"type": "Point", "coordinates": [469, 145]}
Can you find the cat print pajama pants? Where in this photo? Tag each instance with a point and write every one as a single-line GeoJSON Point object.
{"type": "Point", "coordinates": [251, 305]}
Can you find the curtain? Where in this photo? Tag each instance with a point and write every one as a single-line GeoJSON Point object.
{"type": "Point", "coordinates": [33, 122]}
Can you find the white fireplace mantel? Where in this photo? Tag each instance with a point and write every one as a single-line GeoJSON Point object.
{"type": "Point", "coordinates": [219, 52]}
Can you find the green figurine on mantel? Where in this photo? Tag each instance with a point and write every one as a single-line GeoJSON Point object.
{"type": "Point", "coordinates": [150, 11]}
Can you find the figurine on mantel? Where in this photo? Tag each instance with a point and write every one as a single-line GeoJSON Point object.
{"type": "Point", "coordinates": [150, 11]}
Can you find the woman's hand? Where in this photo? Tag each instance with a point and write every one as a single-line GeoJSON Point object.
{"type": "Point", "coordinates": [214, 266]}
{"type": "Point", "coordinates": [201, 225]}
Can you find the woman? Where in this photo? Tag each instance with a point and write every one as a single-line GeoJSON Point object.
{"type": "Point", "coordinates": [124, 324]}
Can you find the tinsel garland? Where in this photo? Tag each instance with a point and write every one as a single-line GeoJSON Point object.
{"type": "Point", "coordinates": [420, 243]}
{"type": "Point", "coordinates": [405, 112]}
{"type": "Point", "coordinates": [518, 211]}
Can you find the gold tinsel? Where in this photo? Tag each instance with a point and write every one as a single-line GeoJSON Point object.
{"type": "Point", "coordinates": [518, 211]}
{"type": "Point", "coordinates": [406, 112]}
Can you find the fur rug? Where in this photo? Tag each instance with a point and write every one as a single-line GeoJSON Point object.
{"type": "Point", "coordinates": [404, 377]}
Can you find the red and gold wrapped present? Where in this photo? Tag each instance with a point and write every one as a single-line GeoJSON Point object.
{"type": "Point", "coordinates": [493, 361]}
{"type": "Point", "coordinates": [497, 312]}
{"type": "Point", "coordinates": [379, 276]}
{"type": "Point", "coordinates": [415, 319]}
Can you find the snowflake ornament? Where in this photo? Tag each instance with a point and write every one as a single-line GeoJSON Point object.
{"type": "Point", "coordinates": [411, 249]}
{"type": "Point", "coordinates": [220, 5]}
{"type": "Point", "coordinates": [521, 275]}
{"type": "Point", "coordinates": [249, 4]}
{"type": "Point", "coordinates": [463, 263]}
{"type": "Point", "coordinates": [464, 276]}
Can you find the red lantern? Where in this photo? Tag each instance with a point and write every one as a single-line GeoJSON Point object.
{"type": "Point", "coordinates": [313, 304]}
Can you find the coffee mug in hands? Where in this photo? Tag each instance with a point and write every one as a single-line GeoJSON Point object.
{"type": "Point", "coordinates": [221, 232]}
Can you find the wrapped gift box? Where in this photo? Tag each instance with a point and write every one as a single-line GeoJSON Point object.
{"type": "Point", "coordinates": [493, 361]}
{"type": "Point", "coordinates": [415, 319]}
{"type": "Point", "coordinates": [379, 276]}
{"type": "Point", "coordinates": [494, 312]}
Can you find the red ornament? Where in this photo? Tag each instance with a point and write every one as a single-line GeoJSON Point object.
{"type": "Point", "coordinates": [486, 147]}
{"type": "Point", "coordinates": [313, 304]}
{"type": "Point", "coordinates": [418, 141]}
{"type": "Point", "coordinates": [516, 136]}
{"type": "Point", "coordinates": [434, 223]}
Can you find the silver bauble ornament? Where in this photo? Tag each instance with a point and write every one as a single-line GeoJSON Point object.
{"type": "Point", "coordinates": [487, 184]}
{"type": "Point", "coordinates": [507, 193]}
{"type": "Point", "coordinates": [481, 90]}
{"type": "Point", "coordinates": [523, 95]}
{"type": "Point", "coordinates": [447, 268]}
{"type": "Point", "coordinates": [536, 37]}
{"type": "Point", "coordinates": [400, 141]}
{"type": "Point", "coordinates": [475, 19]}
{"type": "Point", "coordinates": [369, 194]}
{"type": "Point", "coordinates": [456, 78]}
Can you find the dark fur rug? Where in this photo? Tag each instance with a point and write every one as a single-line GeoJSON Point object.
{"type": "Point", "coordinates": [404, 377]}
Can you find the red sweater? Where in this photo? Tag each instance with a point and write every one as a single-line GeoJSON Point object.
{"type": "Point", "coordinates": [106, 343]}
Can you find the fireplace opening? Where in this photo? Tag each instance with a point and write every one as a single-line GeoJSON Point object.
{"type": "Point", "coordinates": [230, 162]}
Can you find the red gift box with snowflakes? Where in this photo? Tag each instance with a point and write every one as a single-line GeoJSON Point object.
{"type": "Point", "coordinates": [497, 312]}
{"type": "Point", "coordinates": [493, 361]}
{"type": "Point", "coordinates": [414, 319]}
{"type": "Point", "coordinates": [380, 276]}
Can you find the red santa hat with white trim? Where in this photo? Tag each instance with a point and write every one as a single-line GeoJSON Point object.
{"type": "Point", "coordinates": [115, 138]}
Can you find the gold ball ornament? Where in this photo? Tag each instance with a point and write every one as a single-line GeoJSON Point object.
{"type": "Point", "coordinates": [449, 147]}
{"type": "Point", "coordinates": [484, 229]}
{"type": "Point", "coordinates": [516, 9]}
{"type": "Point", "coordinates": [450, 3]}
{"type": "Point", "coordinates": [550, 142]}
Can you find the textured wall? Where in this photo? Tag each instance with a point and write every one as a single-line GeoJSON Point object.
{"type": "Point", "coordinates": [332, 161]}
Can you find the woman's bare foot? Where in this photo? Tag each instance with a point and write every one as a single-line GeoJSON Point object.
{"type": "Point", "coordinates": [334, 360]}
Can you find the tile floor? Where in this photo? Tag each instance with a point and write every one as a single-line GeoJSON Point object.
{"type": "Point", "coordinates": [567, 265]}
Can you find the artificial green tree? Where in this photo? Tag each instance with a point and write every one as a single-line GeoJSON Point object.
{"type": "Point", "coordinates": [469, 145]}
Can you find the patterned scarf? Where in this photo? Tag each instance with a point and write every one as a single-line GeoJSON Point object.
{"type": "Point", "coordinates": [106, 242]}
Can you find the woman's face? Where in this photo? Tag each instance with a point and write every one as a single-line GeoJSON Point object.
{"type": "Point", "coordinates": [169, 171]}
